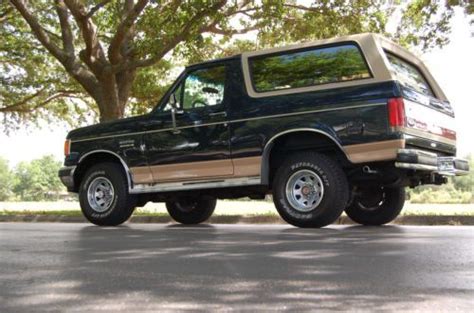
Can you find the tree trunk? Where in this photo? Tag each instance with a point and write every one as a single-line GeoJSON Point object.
{"type": "Point", "coordinates": [110, 111]}
{"type": "Point", "coordinates": [114, 93]}
{"type": "Point", "coordinates": [108, 100]}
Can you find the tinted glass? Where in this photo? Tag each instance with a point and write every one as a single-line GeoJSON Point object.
{"type": "Point", "coordinates": [308, 68]}
{"type": "Point", "coordinates": [204, 88]}
{"type": "Point", "coordinates": [408, 75]}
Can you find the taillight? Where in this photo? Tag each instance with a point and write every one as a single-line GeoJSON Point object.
{"type": "Point", "coordinates": [67, 147]}
{"type": "Point", "coordinates": [396, 112]}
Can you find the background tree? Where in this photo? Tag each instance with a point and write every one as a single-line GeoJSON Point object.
{"type": "Point", "coordinates": [79, 59]}
{"type": "Point", "coordinates": [458, 189]}
{"type": "Point", "coordinates": [6, 180]}
{"type": "Point", "coordinates": [466, 183]}
{"type": "Point", "coordinates": [38, 179]}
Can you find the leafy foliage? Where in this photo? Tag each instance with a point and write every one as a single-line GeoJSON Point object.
{"type": "Point", "coordinates": [33, 86]}
{"type": "Point", "coordinates": [81, 60]}
{"type": "Point", "coordinates": [458, 190]}
{"type": "Point", "coordinates": [38, 180]}
{"type": "Point", "coordinates": [6, 180]}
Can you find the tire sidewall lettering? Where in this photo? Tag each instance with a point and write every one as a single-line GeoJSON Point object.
{"type": "Point", "coordinates": [314, 167]}
{"type": "Point", "coordinates": [293, 212]}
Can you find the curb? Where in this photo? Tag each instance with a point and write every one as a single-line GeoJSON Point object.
{"type": "Point", "coordinates": [242, 219]}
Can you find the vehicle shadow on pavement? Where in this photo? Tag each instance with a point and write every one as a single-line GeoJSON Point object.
{"type": "Point", "coordinates": [156, 267]}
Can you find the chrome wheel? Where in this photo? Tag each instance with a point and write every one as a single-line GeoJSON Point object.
{"type": "Point", "coordinates": [100, 194]}
{"type": "Point", "coordinates": [304, 190]}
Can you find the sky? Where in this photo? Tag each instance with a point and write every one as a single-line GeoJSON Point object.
{"type": "Point", "coordinates": [452, 66]}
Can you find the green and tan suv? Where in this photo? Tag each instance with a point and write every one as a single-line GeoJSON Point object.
{"type": "Point", "coordinates": [327, 126]}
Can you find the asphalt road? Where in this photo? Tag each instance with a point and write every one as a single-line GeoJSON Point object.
{"type": "Point", "coordinates": [78, 267]}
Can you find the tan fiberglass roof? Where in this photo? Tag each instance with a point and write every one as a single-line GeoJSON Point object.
{"type": "Point", "coordinates": [372, 45]}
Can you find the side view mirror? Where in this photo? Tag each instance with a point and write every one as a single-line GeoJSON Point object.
{"type": "Point", "coordinates": [210, 90]}
{"type": "Point", "coordinates": [174, 104]}
{"type": "Point", "coordinates": [172, 101]}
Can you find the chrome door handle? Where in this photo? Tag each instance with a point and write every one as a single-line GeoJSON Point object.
{"type": "Point", "coordinates": [223, 114]}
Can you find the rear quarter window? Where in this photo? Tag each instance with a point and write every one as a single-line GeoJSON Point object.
{"type": "Point", "coordinates": [408, 75]}
{"type": "Point", "coordinates": [310, 67]}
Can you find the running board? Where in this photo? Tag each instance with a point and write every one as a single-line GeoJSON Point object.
{"type": "Point", "coordinates": [192, 185]}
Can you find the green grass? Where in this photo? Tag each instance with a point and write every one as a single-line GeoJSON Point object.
{"type": "Point", "coordinates": [233, 208]}
{"type": "Point", "coordinates": [265, 214]}
{"type": "Point", "coordinates": [68, 213]}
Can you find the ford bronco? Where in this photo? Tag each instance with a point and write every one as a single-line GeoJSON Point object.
{"type": "Point", "coordinates": [335, 125]}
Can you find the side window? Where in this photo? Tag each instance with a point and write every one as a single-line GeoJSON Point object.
{"type": "Point", "coordinates": [408, 75]}
{"type": "Point", "coordinates": [204, 88]}
{"type": "Point", "coordinates": [308, 67]}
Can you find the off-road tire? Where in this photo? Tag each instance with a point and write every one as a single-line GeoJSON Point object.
{"type": "Point", "coordinates": [378, 212]}
{"type": "Point", "coordinates": [332, 201]}
{"type": "Point", "coordinates": [187, 210]}
{"type": "Point", "coordinates": [122, 205]}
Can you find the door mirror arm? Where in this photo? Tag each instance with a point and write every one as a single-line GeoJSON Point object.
{"type": "Point", "coordinates": [174, 112]}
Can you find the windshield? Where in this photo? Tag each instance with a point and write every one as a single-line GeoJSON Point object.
{"type": "Point", "coordinates": [408, 75]}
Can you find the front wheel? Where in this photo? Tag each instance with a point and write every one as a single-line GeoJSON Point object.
{"type": "Point", "coordinates": [104, 196]}
{"type": "Point", "coordinates": [191, 210]}
{"type": "Point", "coordinates": [310, 190]}
{"type": "Point", "coordinates": [376, 206]}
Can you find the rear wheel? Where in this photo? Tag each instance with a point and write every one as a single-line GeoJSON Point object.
{"type": "Point", "coordinates": [310, 190]}
{"type": "Point", "coordinates": [104, 197]}
{"type": "Point", "coordinates": [376, 206]}
{"type": "Point", "coordinates": [191, 210]}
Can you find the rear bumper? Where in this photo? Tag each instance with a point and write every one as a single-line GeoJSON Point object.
{"type": "Point", "coordinates": [66, 175]}
{"type": "Point", "coordinates": [420, 160]}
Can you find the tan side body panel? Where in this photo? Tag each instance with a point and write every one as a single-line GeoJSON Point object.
{"type": "Point", "coordinates": [374, 151]}
{"type": "Point", "coordinates": [242, 167]}
{"type": "Point", "coordinates": [251, 166]}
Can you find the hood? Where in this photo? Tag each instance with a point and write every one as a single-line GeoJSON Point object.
{"type": "Point", "coordinates": [111, 128]}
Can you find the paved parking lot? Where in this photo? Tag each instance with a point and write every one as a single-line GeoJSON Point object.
{"type": "Point", "coordinates": [81, 267]}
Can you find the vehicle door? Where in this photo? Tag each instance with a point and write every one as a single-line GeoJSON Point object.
{"type": "Point", "coordinates": [192, 143]}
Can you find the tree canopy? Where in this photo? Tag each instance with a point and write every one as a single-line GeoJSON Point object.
{"type": "Point", "coordinates": [36, 180]}
{"type": "Point", "coordinates": [85, 60]}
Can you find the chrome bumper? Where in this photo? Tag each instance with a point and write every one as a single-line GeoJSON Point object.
{"type": "Point", "coordinates": [66, 175]}
{"type": "Point", "coordinates": [427, 161]}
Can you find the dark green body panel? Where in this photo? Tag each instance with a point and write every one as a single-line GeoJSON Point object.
{"type": "Point", "coordinates": [346, 126]}
{"type": "Point", "coordinates": [351, 115]}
